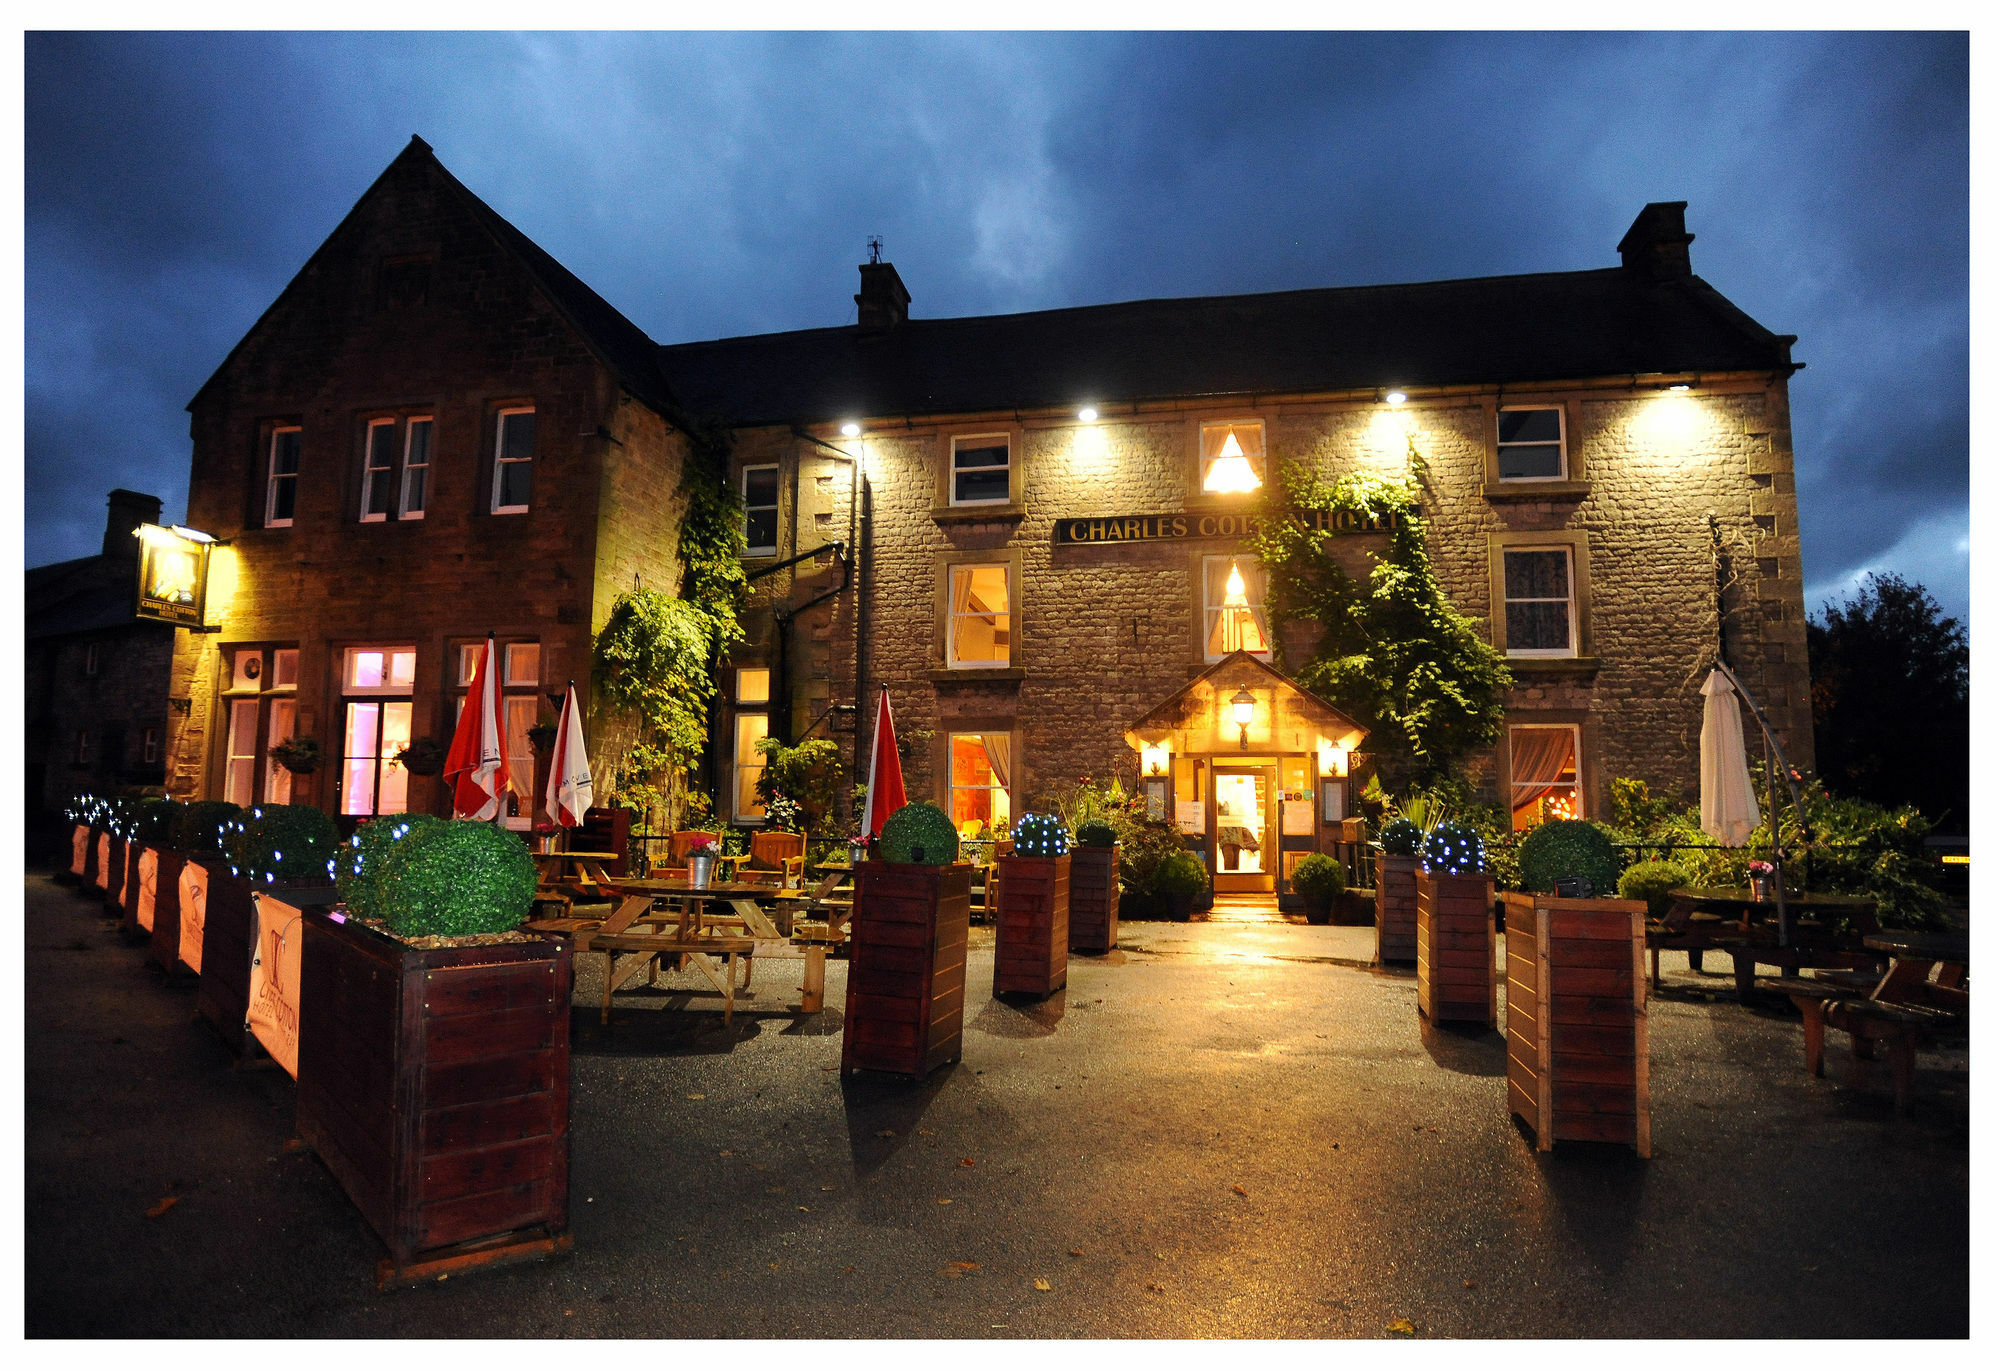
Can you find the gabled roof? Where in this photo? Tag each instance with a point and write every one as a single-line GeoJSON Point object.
{"type": "Point", "coordinates": [81, 595]}
{"type": "Point", "coordinates": [1513, 330]}
{"type": "Point", "coordinates": [1288, 717]}
{"type": "Point", "coordinates": [616, 341]}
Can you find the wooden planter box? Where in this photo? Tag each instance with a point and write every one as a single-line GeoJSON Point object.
{"type": "Point", "coordinates": [111, 871]}
{"type": "Point", "coordinates": [229, 940]}
{"type": "Point", "coordinates": [435, 1086]}
{"type": "Point", "coordinates": [906, 967]}
{"type": "Point", "coordinates": [195, 875]}
{"type": "Point", "coordinates": [1576, 1019]}
{"type": "Point", "coordinates": [164, 907]}
{"type": "Point", "coordinates": [1455, 948]}
{"type": "Point", "coordinates": [1093, 898]}
{"type": "Point", "coordinates": [1395, 908]}
{"type": "Point", "coordinates": [128, 892]}
{"type": "Point", "coordinates": [1031, 930]}
{"type": "Point", "coordinates": [82, 856]}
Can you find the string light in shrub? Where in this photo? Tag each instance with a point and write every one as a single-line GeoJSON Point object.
{"type": "Point", "coordinates": [1454, 849]}
{"type": "Point", "coordinates": [1040, 834]}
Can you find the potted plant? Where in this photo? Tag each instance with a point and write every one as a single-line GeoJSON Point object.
{"type": "Point", "coordinates": [433, 1065]}
{"type": "Point", "coordinates": [299, 755]}
{"type": "Point", "coordinates": [1093, 888]}
{"type": "Point", "coordinates": [179, 923]}
{"type": "Point", "coordinates": [701, 854]}
{"type": "Point", "coordinates": [542, 737]}
{"type": "Point", "coordinates": [82, 812]}
{"type": "Point", "coordinates": [112, 845]}
{"type": "Point", "coordinates": [1455, 971]}
{"type": "Point", "coordinates": [1031, 923]}
{"type": "Point", "coordinates": [906, 949]}
{"type": "Point", "coordinates": [1181, 881]}
{"type": "Point", "coordinates": [285, 847]}
{"type": "Point", "coordinates": [424, 756]}
{"type": "Point", "coordinates": [1319, 880]}
{"type": "Point", "coordinates": [1761, 873]}
{"type": "Point", "coordinates": [1577, 1041]}
{"type": "Point", "coordinates": [1396, 890]}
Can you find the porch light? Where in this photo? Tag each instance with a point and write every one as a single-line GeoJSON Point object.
{"type": "Point", "coordinates": [1231, 473]}
{"type": "Point", "coordinates": [1243, 707]}
{"type": "Point", "coordinates": [1332, 760]}
{"type": "Point", "coordinates": [1153, 760]}
{"type": "Point", "coordinates": [850, 429]}
{"type": "Point", "coordinates": [1087, 414]}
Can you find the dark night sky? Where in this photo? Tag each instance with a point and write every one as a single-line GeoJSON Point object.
{"type": "Point", "coordinates": [717, 184]}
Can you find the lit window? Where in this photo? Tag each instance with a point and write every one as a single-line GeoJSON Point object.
{"type": "Point", "coordinates": [520, 670]}
{"type": "Point", "coordinates": [1541, 606]}
{"type": "Point", "coordinates": [979, 469]}
{"type": "Point", "coordinates": [524, 663]}
{"type": "Point", "coordinates": [760, 511]}
{"type": "Point", "coordinates": [1531, 444]}
{"type": "Point", "coordinates": [374, 731]}
{"type": "Point", "coordinates": [750, 730]}
{"type": "Point", "coordinates": [513, 460]}
{"type": "Point", "coordinates": [285, 668]}
{"type": "Point", "coordinates": [416, 468]}
{"type": "Point", "coordinates": [981, 764]}
{"type": "Point", "coordinates": [979, 629]}
{"type": "Point", "coordinates": [1233, 607]}
{"type": "Point", "coordinates": [239, 774]}
{"type": "Point", "coordinates": [278, 780]}
{"type": "Point", "coordinates": [386, 670]}
{"type": "Point", "coordinates": [753, 684]}
{"type": "Point", "coordinates": [1232, 457]}
{"type": "Point", "coordinates": [281, 478]}
{"type": "Point", "coordinates": [1543, 770]}
{"type": "Point", "coordinates": [378, 471]}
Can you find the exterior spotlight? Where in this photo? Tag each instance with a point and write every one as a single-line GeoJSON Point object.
{"type": "Point", "coordinates": [1087, 414]}
{"type": "Point", "coordinates": [1243, 706]}
{"type": "Point", "coordinates": [1395, 397]}
{"type": "Point", "coordinates": [850, 429]}
{"type": "Point", "coordinates": [1680, 387]}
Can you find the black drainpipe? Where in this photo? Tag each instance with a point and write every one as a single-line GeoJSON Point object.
{"type": "Point", "coordinates": [859, 507]}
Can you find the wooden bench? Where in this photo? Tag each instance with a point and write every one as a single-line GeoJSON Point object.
{"type": "Point", "coordinates": [1824, 1003]}
{"type": "Point", "coordinates": [643, 951]}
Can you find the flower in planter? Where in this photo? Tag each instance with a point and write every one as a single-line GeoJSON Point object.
{"type": "Point", "coordinates": [704, 846]}
{"type": "Point", "coordinates": [1762, 868]}
{"type": "Point", "coordinates": [546, 829]}
{"type": "Point", "coordinates": [425, 756]}
{"type": "Point", "coordinates": [299, 755]}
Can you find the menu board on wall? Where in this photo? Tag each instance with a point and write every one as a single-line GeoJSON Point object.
{"type": "Point", "coordinates": [1187, 813]}
{"type": "Point", "coordinates": [1298, 818]}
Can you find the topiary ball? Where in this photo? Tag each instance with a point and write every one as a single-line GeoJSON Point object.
{"type": "Point", "coordinates": [1181, 876]}
{"type": "Point", "coordinates": [155, 824]}
{"type": "Point", "coordinates": [1568, 847]}
{"type": "Point", "coordinates": [919, 834]}
{"type": "Point", "coordinates": [1651, 881]}
{"type": "Point", "coordinates": [1096, 834]}
{"type": "Point", "coordinates": [282, 842]}
{"type": "Point", "coordinates": [358, 865]}
{"type": "Point", "coordinates": [198, 827]}
{"type": "Point", "coordinates": [1318, 877]}
{"type": "Point", "coordinates": [1040, 834]}
{"type": "Point", "coordinates": [1401, 837]}
{"type": "Point", "coordinates": [454, 880]}
{"type": "Point", "coordinates": [1454, 849]}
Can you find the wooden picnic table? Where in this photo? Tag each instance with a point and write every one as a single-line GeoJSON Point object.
{"type": "Point", "coordinates": [1730, 920]}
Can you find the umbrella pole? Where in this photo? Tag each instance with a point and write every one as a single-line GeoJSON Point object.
{"type": "Point", "coordinates": [1777, 845]}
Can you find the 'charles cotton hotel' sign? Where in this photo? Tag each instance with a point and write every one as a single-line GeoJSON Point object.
{"type": "Point", "coordinates": [1190, 527]}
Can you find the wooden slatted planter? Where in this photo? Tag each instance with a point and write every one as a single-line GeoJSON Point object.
{"type": "Point", "coordinates": [128, 892]}
{"type": "Point", "coordinates": [195, 875]}
{"type": "Point", "coordinates": [160, 908]}
{"type": "Point", "coordinates": [229, 939]}
{"type": "Point", "coordinates": [82, 856]}
{"type": "Point", "coordinates": [1455, 948]}
{"type": "Point", "coordinates": [1395, 907]}
{"type": "Point", "coordinates": [111, 871]}
{"type": "Point", "coordinates": [434, 1084]}
{"type": "Point", "coordinates": [1031, 930]}
{"type": "Point", "coordinates": [1577, 1049]}
{"type": "Point", "coordinates": [1093, 898]}
{"type": "Point", "coordinates": [906, 967]}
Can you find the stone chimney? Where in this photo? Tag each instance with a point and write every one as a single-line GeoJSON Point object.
{"type": "Point", "coordinates": [1657, 242]}
{"type": "Point", "coordinates": [883, 302]}
{"type": "Point", "coordinates": [129, 509]}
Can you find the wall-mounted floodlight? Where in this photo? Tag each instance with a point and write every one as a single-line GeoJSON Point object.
{"type": "Point", "coordinates": [1395, 397]}
{"type": "Point", "coordinates": [1087, 414]}
{"type": "Point", "coordinates": [850, 429]}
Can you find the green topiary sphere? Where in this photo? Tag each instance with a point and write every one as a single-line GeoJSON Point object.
{"type": "Point", "coordinates": [1650, 881]}
{"type": "Point", "coordinates": [276, 842]}
{"type": "Point", "coordinates": [198, 827]}
{"type": "Point", "coordinates": [358, 865]}
{"type": "Point", "coordinates": [1095, 834]}
{"type": "Point", "coordinates": [1401, 837]}
{"type": "Point", "coordinates": [1454, 849]}
{"type": "Point", "coordinates": [919, 835]}
{"type": "Point", "coordinates": [155, 824]}
{"type": "Point", "coordinates": [1318, 877]}
{"type": "Point", "coordinates": [1568, 847]}
{"type": "Point", "coordinates": [1181, 876]}
{"type": "Point", "coordinates": [454, 880]}
{"type": "Point", "coordinates": [1040, 834]}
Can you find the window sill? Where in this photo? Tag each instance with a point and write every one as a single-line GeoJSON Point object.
{"type": "Point", "coordinates": [1552, 665]}
{"type": "Point", "coordinates": [1506, 491]}
{"type": "Point", "coordinates": [978, 675]}
{"type": "Point", "coordinates": [977, 513]}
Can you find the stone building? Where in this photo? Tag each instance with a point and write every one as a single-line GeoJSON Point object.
{"type": "Point", "coordinates": [1030, 527]}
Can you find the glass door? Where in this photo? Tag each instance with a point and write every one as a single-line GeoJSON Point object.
{"type": "Point", "coordinates": [1245, 828]}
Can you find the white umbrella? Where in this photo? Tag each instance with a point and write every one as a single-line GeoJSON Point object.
{"type": "Point", "coordinates": [476, 766]}
{"type": "Point", "coordinates": [569, 769]}
{"type": "Point", "coordinates": [1728, 799]}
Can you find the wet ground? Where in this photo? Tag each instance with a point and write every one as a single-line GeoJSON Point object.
{"type": "Point", "coordinates": [1218, 1130]}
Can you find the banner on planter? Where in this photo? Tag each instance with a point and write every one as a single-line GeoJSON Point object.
{"type": "Point", "coordinates": [194, 913]}
{"type": "Point", "coordinates": [104, 860]}
{"type": "Point", "coordinates": [79, 851]}
{"type": "Point", "coordinates": [149, 882]}
{"type": "Point", "coordinates": [273, 1017]}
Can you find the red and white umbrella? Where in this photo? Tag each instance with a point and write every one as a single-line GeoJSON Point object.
{"type": "Point", "coordinates": [885, 773]}
{"type": "Point", "coordinates": [476, 765]}
{"type": "Point", "coordinates": [569, 769]}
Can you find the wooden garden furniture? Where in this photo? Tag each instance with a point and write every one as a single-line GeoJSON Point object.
{"type": "Point", "coordinates": [643, 951]}
{"type": "Point", "coordinates": [1731, 921]}
{"type": "Point", "coordinates": [775, 857]}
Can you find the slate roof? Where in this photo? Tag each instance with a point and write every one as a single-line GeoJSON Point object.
{"type": "Point", "coordinates": [79, 596]}
{"type": "Point", "coordinates": [1497, 329]}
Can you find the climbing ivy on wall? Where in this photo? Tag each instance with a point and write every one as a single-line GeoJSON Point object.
{"type": "Point", "coordinates": [1392, 651]}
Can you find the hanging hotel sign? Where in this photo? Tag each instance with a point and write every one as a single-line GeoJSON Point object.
{"type": "Point", "coordinates": [173, 577]}
{"type": "Point", "coordinates": [1189, 527]}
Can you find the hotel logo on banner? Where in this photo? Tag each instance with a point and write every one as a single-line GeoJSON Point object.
{"type": "Point", "coordinates": [1193, 527]}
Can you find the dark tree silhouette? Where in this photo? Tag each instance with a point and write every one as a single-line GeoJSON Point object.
{"type": "Point", "coordinates": [1891, 717]}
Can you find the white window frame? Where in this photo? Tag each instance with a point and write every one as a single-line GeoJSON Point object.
{"type": "Point", "coordinates": [1569, 568]}
{"type": "Point", "coordinates": [1208, 610]}
{"type": "Point", "coordinates": [272, 475]}
{"type": "Point", "coordinates": [1562, 442]}
{"type": "Point", "coordinates": [149, 746]}
{"type": "Point", "coordinates": [371, 473]}
{"type": "Point", "coordinates": [499, 447]}
{"type": "Point", "coordinates": [951, 615]}
{"type": "Point", "coordinates": [769, 549]}
{"type": "Point", "coordinates": [403, 509]}
{"type": "Point", "coordinates": [1514, 785]}
{"type": "Point", "coordinates": [389, 687]}
{"type": "Point", "coordinates": [1005, 440]}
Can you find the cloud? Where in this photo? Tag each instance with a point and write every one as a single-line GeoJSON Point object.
{"type": "Point", "coordinates": [1934, 553]}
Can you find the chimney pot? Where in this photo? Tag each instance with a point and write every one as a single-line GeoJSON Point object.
{"type": "Point", "coordinates": [1657, 242]}
{"type": "Point", "coordinates": [883, 302]}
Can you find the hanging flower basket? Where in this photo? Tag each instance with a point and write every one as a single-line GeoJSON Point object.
{"type": "Point", "coordinates": [425, 756]}
{"type": "Point", "coordinates": [299, 755]}
{"type": "Point", "coordinates": [542, 737]}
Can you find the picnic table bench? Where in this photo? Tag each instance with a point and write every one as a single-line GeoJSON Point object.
{"type": "Point", "coordinates": [1730, 921]}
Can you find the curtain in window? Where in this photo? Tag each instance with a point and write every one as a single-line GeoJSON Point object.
{"type": "Point", "coordinates": [997, 749]}
{"type": "Point", "coordinates": [1540, 756]}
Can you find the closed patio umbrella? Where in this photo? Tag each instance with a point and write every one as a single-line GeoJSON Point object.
{"type": "Point", "coordinates": [885, 773]}
{"type": "Point", "coordinates": [1728, 799]}
{"type": "Point", "coordinates": [569, 791]}
{"type": "Point", "coordinates": [476, 766]}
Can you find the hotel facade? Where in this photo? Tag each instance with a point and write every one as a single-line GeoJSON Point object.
{"type": "Point", "coordinates": [1031, 528]}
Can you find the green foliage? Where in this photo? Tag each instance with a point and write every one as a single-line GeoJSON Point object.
{"type": "Point", "coordinates": [275, 842]}
{"type": "Point", "coordinates": [1096, 833]}
{"type": "Point", "coordinates": [154, 824]}
{"type": "Point", "coordinates": [810, 775]}
{"type": "Point", "coordinates": [711, 532]}
{"type": "Point", "coordinates": [919, 834]}
{"type": "Point", "coordinates": [198, 827]}
{"type": "Point", "coordinates": [1495, 826]}
{"type": "Point", "coordinates": [1454, 849]}
{"type": "Point", "coordinates": [456, 879]}
{"type": "Point", "coordinates": [1077, 802]}
{"type": "Point", "coordinates": [1568, 847]}
{"type": "Point", "coordinates": [1180, 876]}
{"type": "Point", "coordinates": [1318, 877]}
{"type": "Point", "coordinates": [1146, 845]}
{"type": "Point", "coordinates": [1040, 834]}
{"type": "Point", "coordinates": [1401, 837]}
{"type": "Point", "coordinates": [1650, 881]}
{"type": "Point", "coordinates": [1393, 652]}
{"type": "Point", "coordinates": [1633, 807]}
{"type": "Point", "coordinates": [359, 864]}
